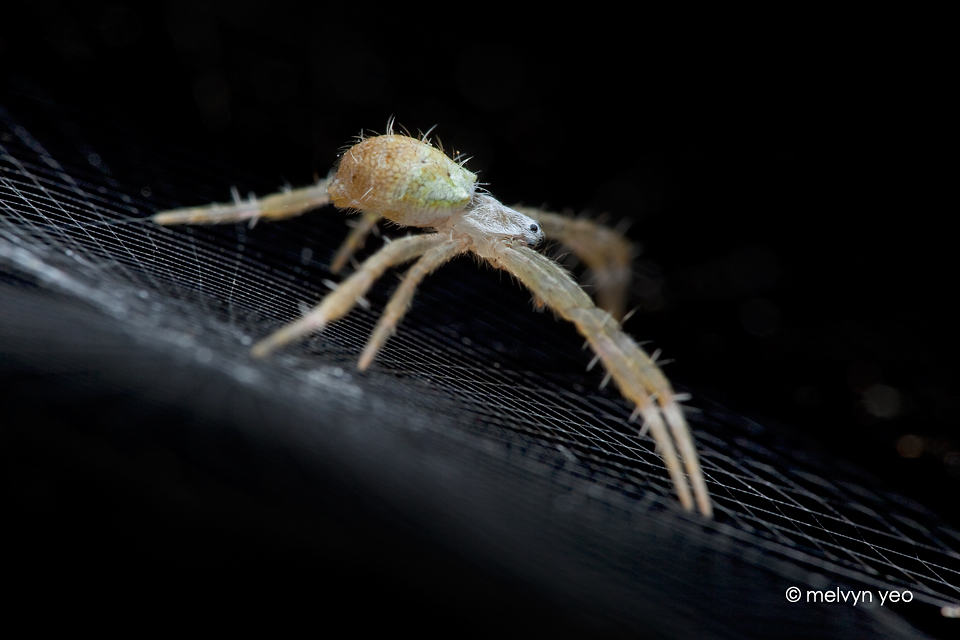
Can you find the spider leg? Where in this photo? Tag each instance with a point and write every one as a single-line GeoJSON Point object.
{"type": "Point", "coordinates": [354, 241]}
{"type": "Point", "coordinates": [635, 373]}
{"type": "Point", "coordinates": [340, 301]}
{"type": "Point", "coordinates": [400, 302]}
{"type": "Point", "coordinates": [284, 204]}
{"type": "Point", "coordinates": [605, 252]}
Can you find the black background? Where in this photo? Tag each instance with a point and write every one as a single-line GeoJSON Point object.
{"type": "Point", "coordinates": [781, 172]}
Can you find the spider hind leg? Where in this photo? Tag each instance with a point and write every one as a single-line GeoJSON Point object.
{"type": "Point", "coordinates": [400, 302]}
{"type": "Point", "coordinates": [276, 206]}
{"type": "Point", "coordinates": [355, 240]}
{"type": "Point", "coordinates": [339, 302]}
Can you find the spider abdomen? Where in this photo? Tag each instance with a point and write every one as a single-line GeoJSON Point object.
{"type": "Point", "coordinates": [403, 179]}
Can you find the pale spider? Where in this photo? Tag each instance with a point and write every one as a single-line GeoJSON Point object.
{"type": "Point", "coordinates": [411, 183]}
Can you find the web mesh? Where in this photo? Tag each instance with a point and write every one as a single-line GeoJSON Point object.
{"type": "Point", "coordinates": [496, 377]}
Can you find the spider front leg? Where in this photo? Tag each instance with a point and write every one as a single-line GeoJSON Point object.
{"type": "Point", "coordinates": [635, 373]}
{"type": "Point", "coordinates": [284, 204]}
{"type": "Point", "coordinates": [339, 302]}
{"type": "Point", "coordinates": [605, 252]}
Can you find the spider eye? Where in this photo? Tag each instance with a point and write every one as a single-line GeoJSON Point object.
{"type": "Point", "coordinates": [534, 228]}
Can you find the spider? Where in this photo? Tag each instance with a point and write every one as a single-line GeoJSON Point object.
{"type": "Point", "coordinates": [412, 183]}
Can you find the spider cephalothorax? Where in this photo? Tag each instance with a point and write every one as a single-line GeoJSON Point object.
{"type": "Point", "coordinates": [411, 183]}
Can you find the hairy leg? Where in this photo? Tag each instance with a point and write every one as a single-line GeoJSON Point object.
{"type": "Point", "coordinates": [354, 242]}
{"type": "Point", "coordinates": [284, 204]}
{"type": "Point", "coordinates": [339, 302]}
{"type": "Point", "coordinates": [605, 252]}
{"type": "Point", "coordinates": [400, 302]}
{"type": "Point", "coordinates": [635, 373]}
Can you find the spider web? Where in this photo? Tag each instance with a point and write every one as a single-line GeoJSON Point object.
{"type": "Point", "coordinates": [478, 422]}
